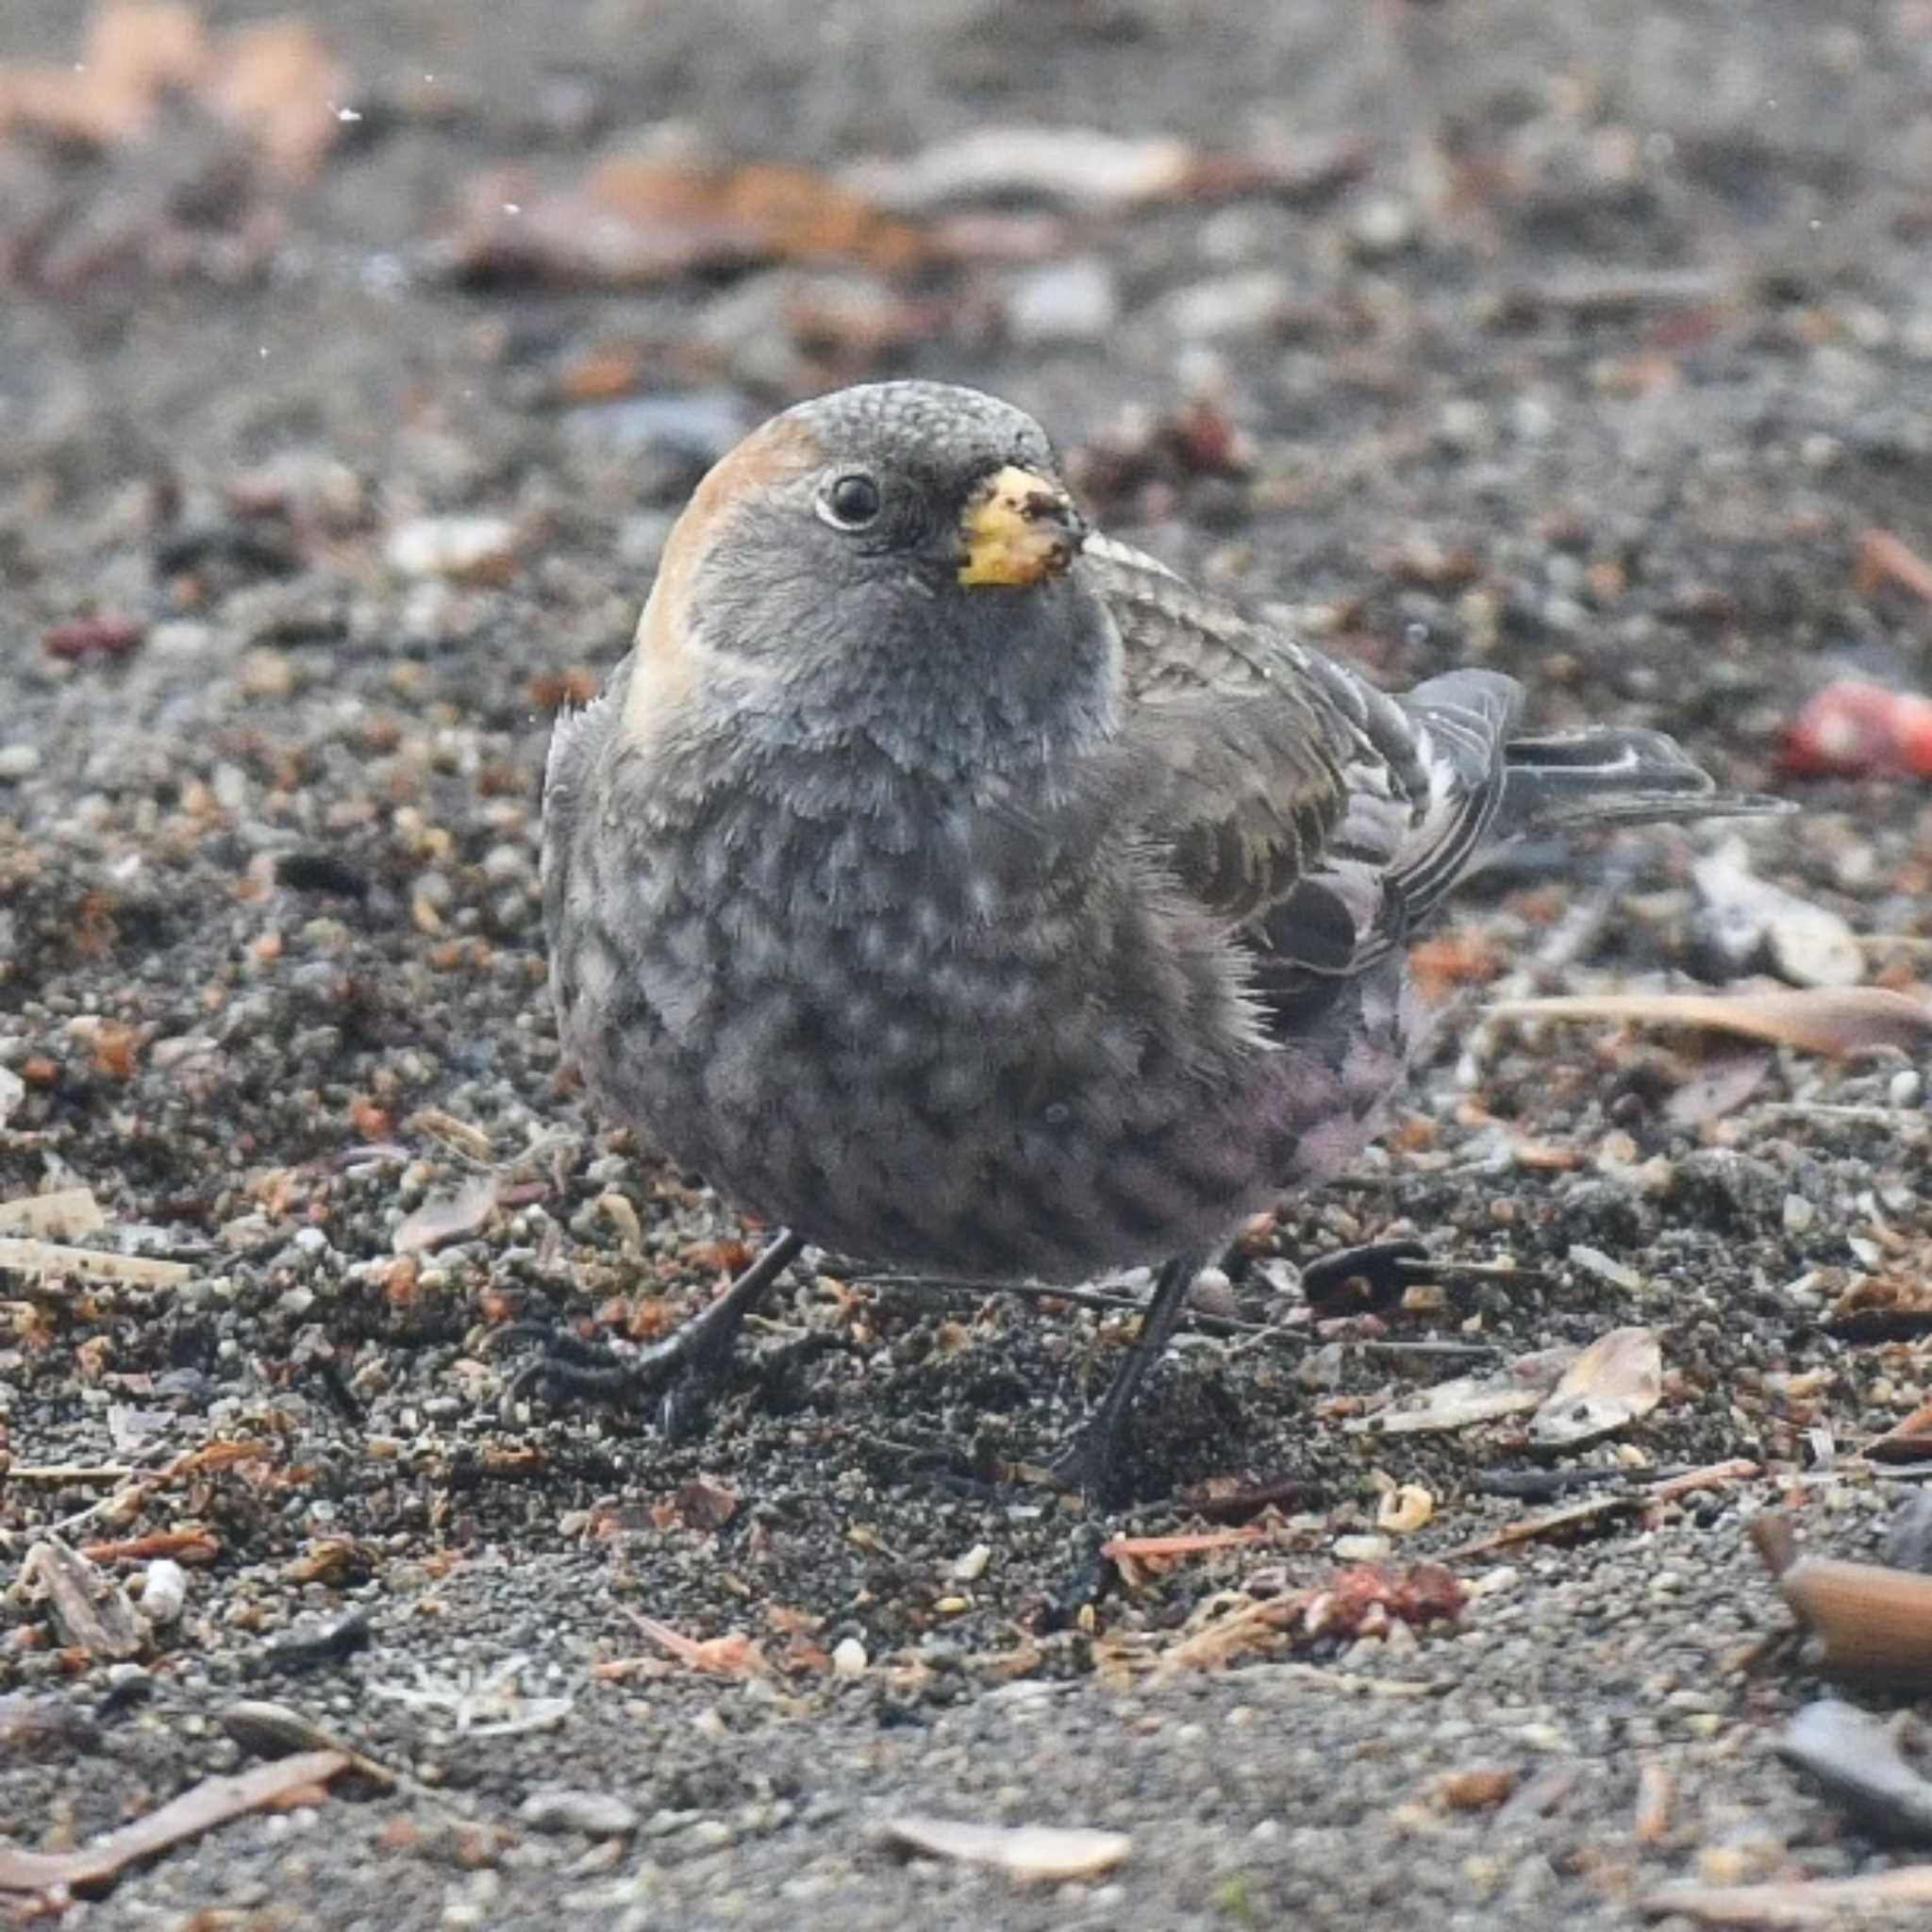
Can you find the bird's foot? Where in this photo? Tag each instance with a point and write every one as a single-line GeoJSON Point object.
{"type": "Point", "coordinates": [1365, 1280]}
{"type": "Point", "coordinates": [1091, 1466]}
{"type": "Point", "coordinates": [682, 1373]}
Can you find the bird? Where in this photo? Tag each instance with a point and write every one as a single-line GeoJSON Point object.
{"type": "Point", "coordinates": [954, 886]}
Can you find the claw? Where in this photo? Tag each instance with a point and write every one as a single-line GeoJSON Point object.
{"type": "Point", "coordinates": [686, 1367]}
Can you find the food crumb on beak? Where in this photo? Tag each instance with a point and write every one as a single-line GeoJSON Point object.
{"type": "Point", "coordinates": [1018, 529]}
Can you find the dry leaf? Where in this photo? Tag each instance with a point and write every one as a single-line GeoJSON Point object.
{"type": "Point", "coordinates": [1617, 1380]}
{"type": "Point", "coordinates": [704, 1503]}
{"type": "Point", "coordinates": [1465, 1400]}
{"type": "Point", "coordinates": [213, 1801]}
{"type": "Point", "coordinates": [632, 221]}
{"type": "Point", "coordinates": [1826, 1020]}
{"type": "Point", "coordinates": [446, 1218]}
{"type": "Point", "coordinates": [134, 53]}
{"type": "Point", "coordinates": [1043, 1853]}
{"type": "Point", "coordinates": [1718, 1088]}
{"type": "Point", "coordinates": [178, 1545]}
{"type": "Point", "coordinates": [87, 1607]}
{"type": "Point", "coordinates": [276, 81]}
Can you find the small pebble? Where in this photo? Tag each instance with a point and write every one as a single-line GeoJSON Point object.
{"type": "Point", "coordinates": [163, 1591]}
{"type": "Point", "coordinates": [600, 1814]}
{"type": "Point", "coordinates": [1248, 304]}
{"type": "Point", "coordinates": [472, 549]}
{"type": "Point", "coordinates": [1594, 1261]}
{"type": "Point", "coordinates": [180, 638]}
{"type": "Point", "coordinates": [849, 1659]}
{"type": "Point", "coordinates": [1385, 225]}
{"type": "Point", "coordinates": [18, 761]}
{"type": "Point", "coordinates": [1362, 1549]}
{"type": "Point", "coordinates": [1905, 1089]}
{"type": "Point", "coordinates": [267, 675]}
{"type": "Point", "coordinates": [972, 1566]}
{"type": "Point", "coordinates": [1064, 302]}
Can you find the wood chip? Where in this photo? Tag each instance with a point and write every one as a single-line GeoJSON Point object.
{"type": "Point", "coordinates": [1836, 1902]}
{"type": "Point", "coordinates": [1884, 559]}
{"type": "Point", "coordinates": [1032, 1853]}
{"type": "Point", "coordinates": [1826, 1020]}
{"type": "Point", "coordinates": [1873, 1624]}
{"type": "Point", "coordinates": [31, 1257]}
{"type": "Point", "coordinates": [213, 1802]}
{"type": "Point", "coordinates": [88, 1608]}
{"type": "Point", "coordinates": [1657, 1792]}
{"type": "Point", "coordinates": [58, 1217]}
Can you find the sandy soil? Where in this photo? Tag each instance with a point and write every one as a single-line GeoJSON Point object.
{"type": "Point", "coordinates": [1588, 342]}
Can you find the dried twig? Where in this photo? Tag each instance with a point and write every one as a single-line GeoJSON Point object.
{"type": "Point", "coordinates": [1814, 1902]}
{"type": "Point", "coordinates": [27, 1255]}
{"type": "Point", "coordinates": [213, 1801]}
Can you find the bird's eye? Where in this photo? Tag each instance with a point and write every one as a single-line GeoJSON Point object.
{"type": "Point", "coordinates": [851, 502]}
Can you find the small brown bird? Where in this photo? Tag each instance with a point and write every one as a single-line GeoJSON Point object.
{"type": "Point", "coordinates": [956, 887]}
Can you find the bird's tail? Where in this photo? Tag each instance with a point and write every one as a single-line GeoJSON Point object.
{"type": "Point", "coordinates": [1608, 774]}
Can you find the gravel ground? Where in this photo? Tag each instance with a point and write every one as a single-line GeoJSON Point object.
{"type": "Point", "coordinates": [1587, 342]}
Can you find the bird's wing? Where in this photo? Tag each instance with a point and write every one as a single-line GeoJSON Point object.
{"type": "Point", "coordinates": [1242, 758]}
{"type": "Point", "coordinates": [1317, 814]}
{"type": "Point", "coordinates": [576, 741]}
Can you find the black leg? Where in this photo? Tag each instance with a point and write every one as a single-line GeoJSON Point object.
{"type": "Point", "coordinates": [682, 1370]}
{"type": "Point", "coordinates": [1368, 1280]}
{"type": "Point", "coordinates": [1089, 1462]}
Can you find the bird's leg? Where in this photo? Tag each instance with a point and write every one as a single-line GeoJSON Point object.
{"type": "Point", "coordinates": [1367, 1280]}
{"type": "Point", "coordinates": [1089, 1462]}
{"type": "Point", "coordinates": [682, 1371]}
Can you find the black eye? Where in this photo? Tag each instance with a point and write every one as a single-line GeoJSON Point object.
{"type": "Point", "coordinates": [851, 502]}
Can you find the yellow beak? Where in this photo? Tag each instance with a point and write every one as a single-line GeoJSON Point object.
{"type": "Point", "coordinates": [1018, 529]}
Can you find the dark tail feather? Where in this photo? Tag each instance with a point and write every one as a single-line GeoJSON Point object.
{"type": "Point", "coordinates": [1605, 775]}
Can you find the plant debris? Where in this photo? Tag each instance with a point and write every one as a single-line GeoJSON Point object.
{"type": "Point", "coordinates": [1875, 1897]}
{"type": "Point", "coordinates": [88, 1609]}
{"type": "Point", "coordinates": [1831, 1020]}
{"type": "Point", "coordinates": [273, 81]}
{"type": "Point", "coordinates": [1873, 1623]}
{"type": "Point", "coordinates": [27, 1256]}
{"type": "Point", "coordinates": [1034, 1854]}
{"type": "Point", "coordinates": [631, 222]}
{"type": "Point", "coordinates": [1616, 1381]}
{"type": "Point", "coordinates": [300, 1779]}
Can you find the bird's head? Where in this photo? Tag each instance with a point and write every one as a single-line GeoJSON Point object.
{"type": "Point", "coordinates": [902, 555]}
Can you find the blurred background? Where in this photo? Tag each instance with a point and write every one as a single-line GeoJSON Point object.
{"type": "Point", "coordinates": [1565, 336]}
